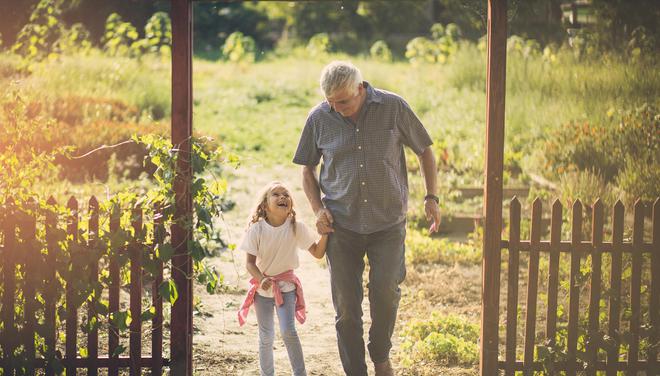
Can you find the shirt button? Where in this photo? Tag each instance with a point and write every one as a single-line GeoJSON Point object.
{"type": "Point", "coordinates": [365, 200]}
{"type": "Point", "coordinates": [361, 165]}
{"type": "Point", "coordinates": [360, 147]}
{"type": "Point", "coordinates": [363, 183]}
{"type": "Point", "coordinates": [357, 129]}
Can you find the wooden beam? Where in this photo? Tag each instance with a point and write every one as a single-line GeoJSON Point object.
{"type": "Point", "coordinates": [181, 326]}
{"type": "Point", "coordinates": [495, 92]}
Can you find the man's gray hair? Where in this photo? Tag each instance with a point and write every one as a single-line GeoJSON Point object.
{"type": "Point", "coordinates": [339, 75]}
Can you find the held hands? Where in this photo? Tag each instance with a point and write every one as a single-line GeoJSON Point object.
{"type": "Point", "coordinates": [432, 210]}
{"type": "Point", "coordinates": [324, 221]}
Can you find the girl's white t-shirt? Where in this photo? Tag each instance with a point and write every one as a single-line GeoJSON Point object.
{"type": "Point", "coordinates": [277, 248]}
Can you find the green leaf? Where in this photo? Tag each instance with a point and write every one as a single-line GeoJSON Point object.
{"type": "Point", "coordinates": [168, 291]}
{"type": "Point", "coordinates": [165, 252]}
{"type": "Point", "coordinates": [119, 350]}
{"type": "Point", "coordinates": [121, 319]}
{"type": "Point", "coordinates": [148, 314]}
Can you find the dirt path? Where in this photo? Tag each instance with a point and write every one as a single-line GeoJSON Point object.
{"type": "Point", "coordinates": [221, 347]}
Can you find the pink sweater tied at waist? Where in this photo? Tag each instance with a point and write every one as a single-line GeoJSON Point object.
{"type": "Point", "coordinates": [287, 276]}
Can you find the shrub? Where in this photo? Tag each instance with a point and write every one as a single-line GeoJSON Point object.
{"type": "Point", "coordinates": [627, 153]}
{"type": "Point", "coordinates": [641, 44]}
{"type": "Point", "coordinates": [37, 38]}
{"type": "Point", "coordinates": [239, 48]}
{"type": "Point", "coordinates": [319, 45]}
{"type": "Point", "coordinates": [380, 51]}
{"type": "Point", "coordinates": [22, 159]}
{"type": "Point", "coordinates": [157, 36]}
{"type": "Point", "coordinates": [583, 43]}
{"type": "Point", "coordinates": [437, 50]}
{"type": "Point", "coordinates": [524, 47]}
{"type": "Point", "coordinates": [423, 249]}
{"type": "Point", "coordinates": [587, 186]}
{"type": "Point", "coordinates": [74, 40]}
{"type": "Point", "coordinates": [445, 340]}
{"type": "Point", "coordinates": [421, 50]}
{"type": "Point", "coordinates": [119, 36]}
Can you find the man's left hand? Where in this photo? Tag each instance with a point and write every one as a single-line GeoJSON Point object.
{"type": "Point", "coordinates": [432, 210]}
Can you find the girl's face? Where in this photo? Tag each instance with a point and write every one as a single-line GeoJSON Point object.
{"type": "Point", "coordinates": [278, 200]}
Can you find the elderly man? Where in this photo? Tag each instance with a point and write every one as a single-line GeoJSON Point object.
{"type": "Point", "coordinates": [359, 132]}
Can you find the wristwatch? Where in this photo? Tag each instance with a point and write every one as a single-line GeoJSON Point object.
{"type": "Point", "coordinates": [432, 197]}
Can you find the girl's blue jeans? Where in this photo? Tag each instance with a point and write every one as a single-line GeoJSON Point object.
{"type": "Point", "coordinates": [286, 317]}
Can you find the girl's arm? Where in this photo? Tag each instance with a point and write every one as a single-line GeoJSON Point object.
{"type": "Point", "coordinates": [251, 266]}
{"type": "Point", "coordinates": [318, 249]}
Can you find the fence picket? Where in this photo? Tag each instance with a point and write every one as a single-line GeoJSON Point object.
{"type": "Point", "coordinates": [574, 289]}
{"type": "Point", "coordinates": [615, 289]}
{"type": "Point", "coordinates": [136, 295]}
{"type": "Point", "coordinates": [113, 292]}
{"type": "Point", "coordinates": [71, 308]}
{"type": "Point", "coordinates": [9, 269]}
{"type": "Point", "coordinates": [654, 297]}
{"type": "Point", "coordinates": [532, 288]}
{"type": "Point", "coordinates": [512, 286]}
{"type": "Point", "coordinates": [157, 300]}
{"type": "Point", "coordinates": [92, 239]}
{"type": "Point", "coordinates": [593, 343]}
{"type": "Point", "coordinates": [49, 296]}
{"type": "Point", "coordinates": [635, 286]}
{"type": "Point", "coordinates": [553, 271]}
{"type": "Point", "coordinates": [30, 261]}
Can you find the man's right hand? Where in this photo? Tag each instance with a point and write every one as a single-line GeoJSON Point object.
{"type": "Point", "coordinates": [324, 221]}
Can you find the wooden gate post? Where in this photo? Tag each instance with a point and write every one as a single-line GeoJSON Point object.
{"type": "Point", "coordinates": [181, 326]}
{"type": "Point", "coordinates": [495, 91]}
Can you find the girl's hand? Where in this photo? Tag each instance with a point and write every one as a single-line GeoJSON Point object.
{"type": "Point", "coordinates": [266, 283]}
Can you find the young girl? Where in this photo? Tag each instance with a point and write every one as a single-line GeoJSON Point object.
{"type": "Point", "coordinates": [271, 241]}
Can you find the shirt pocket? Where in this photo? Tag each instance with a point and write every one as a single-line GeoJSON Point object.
{"type": "Point", "coordinates": [385, 145]}
{"type": "Point", "coordinates": [334, 144]}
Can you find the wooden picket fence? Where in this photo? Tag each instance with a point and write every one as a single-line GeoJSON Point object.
{"type": "Point", "coordinates": [579, 249]}
{"type": "Point", "coordinates": [17, 252]}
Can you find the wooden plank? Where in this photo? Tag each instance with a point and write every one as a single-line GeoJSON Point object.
{"type": "Point", "coordinates": [8, 339]}
{"type": "Point", "coordinates": [181, 322]}
{"type": "Point", "coordinates": [136, 294]}
{"type": "Point", "coordinates": [593, 342]}
{"type": "Point", "coordinates": [574, 290]}
{"type": "Point", "coordinates": [615, 288]}
{"type": "Point", "coordinates": [562, 365]}
{"type": "Point", "coordinates": [31, 264]}
{"type": "Point", "coordinates": [553, 271]}
{"type": "Point", "coordinates": [101, 362]}
{"type": "Point", "coordinates": [585, 248]}
{"type": "Point", "coordinates": [92, 239]}
{"type": "Point", "coordinates": [157, 301]}
{"type": "Point", "coordinates": [635, 288]}
{"type": "Point", "coordinates": [512, 286]}
{"type": "Point", "coordinates": [654, 296]}
{"type": "Point", "coordinates": [50, 293]}
{"type": "Point", "coordinates": [113, 291]}
{"type": "Point", "coordinates": [495, 95]}
{"type": "Point", "coordinates": [71, 308]}
{"type": "Point", "coordinates": [532, 288]}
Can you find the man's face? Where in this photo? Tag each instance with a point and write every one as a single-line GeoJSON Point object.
{"type": "Point", "coordinates": [346, 101]}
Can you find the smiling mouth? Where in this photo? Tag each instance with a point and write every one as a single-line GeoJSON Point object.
{"type": "Point", "coordinates": [283, 205]}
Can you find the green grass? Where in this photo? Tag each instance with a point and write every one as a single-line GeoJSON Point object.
{"type": "Point", "coordinates": [258, 110]}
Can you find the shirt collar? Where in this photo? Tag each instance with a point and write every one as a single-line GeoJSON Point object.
{"type": "Point", "coordinates": [372, 96]}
